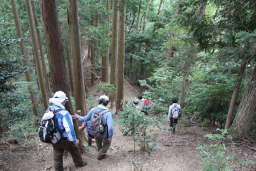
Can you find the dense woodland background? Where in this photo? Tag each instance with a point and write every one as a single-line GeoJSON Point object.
{"type": "Point", "coordinates": [201, 51]}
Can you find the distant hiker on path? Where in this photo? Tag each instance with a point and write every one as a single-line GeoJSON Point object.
{"type": "Point", "coordinates": [174, 114]}
{"type": "Point", "coordinates": [101, 125]}
{"type": "Point", "coordinates": [68, 141]}
{"type": "Point", "coordinates": [144, 104]}
{"type": "Point", "coordinates": [135, 103]}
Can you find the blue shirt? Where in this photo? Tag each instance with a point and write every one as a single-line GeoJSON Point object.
{"type": "Point", "coordinates": [64, 122]}
{"type": "Point", "coordinates": [106, 120]}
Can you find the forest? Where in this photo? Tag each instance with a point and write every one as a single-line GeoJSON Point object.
{"type": "Point", "coordinates": [202, 52]}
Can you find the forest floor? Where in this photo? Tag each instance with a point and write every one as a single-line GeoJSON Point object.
{"type": "Point", "coordinates": [173, 152]}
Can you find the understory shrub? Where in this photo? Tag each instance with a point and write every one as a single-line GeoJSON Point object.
{"type": "Point", "coordinates": [210, 102]}
{"type": "Point", "coordinates": [137, 124]}
{"type": "Point", "coordinates": [216, 157]}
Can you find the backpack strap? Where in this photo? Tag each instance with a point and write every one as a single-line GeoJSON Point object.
{"type": "Point", "coordinates": [56, 111]}
{"type": "Point", "coordinates": [55, 120]}
{"type": "Point", "coordinates": [101, 114]}
{"type": "Point", "coordinates": [103, 111]}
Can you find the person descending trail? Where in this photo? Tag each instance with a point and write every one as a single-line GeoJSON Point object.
{"type": "Point", "coordinates": [144, 104]}
{"type": "Point", "coordinates": [135, 104]}
{"type": "Point", "coordinates": [101, 125]}
{"type": "Point", "coordinates": [174, 113]}
{"type": "Point", "coordinates": [68, 141]}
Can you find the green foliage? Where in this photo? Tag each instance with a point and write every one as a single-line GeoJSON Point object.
{"type": "Point", "coordinates": [15, 105]}
{"type": "Point", "coordinates": [24, 128]}
{"type": "Point", "coordinates": [215, 157]}
{"type": "Point", "coordinates": [211, 102]}
{"type": "Point", "coordinates": [137, 124]}
{"type": "Point", "coordinates": [10, 66]}
{"type": "Point", "coordinates": [107, 88]}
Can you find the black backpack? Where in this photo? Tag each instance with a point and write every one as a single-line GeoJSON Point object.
{"type": "Point", "coordinates": [48, 132]}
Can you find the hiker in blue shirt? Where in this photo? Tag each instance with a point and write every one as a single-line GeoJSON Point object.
{"type": "Point", "coordinates": [68, 141]}
{"type": "Point", "coordinates": [103, 140]}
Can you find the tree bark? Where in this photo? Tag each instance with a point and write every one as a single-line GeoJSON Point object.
{"type": "Point", "coordinates": [93, 61]}
{"type": "Point", "coordinates": [75, 42]}
{"type": "Point", "coordinates": [36, 54]}
{"type": "Point", "coordinates": [138, 18]}
{"type": "Point", "coordinates": [235, 94]}
{"type": "Point", "coordinates": [104, 70]}
{"type": "Point", "coordinates": [188, 64]}
{"type": "Point", "coordinates": [48, 91]}
{"type": "Point", "coordinates": [178, 10]}
{"type": "Point", "coordinates": [247, 109]}
{"type": "Point", "coordinates": [70, 69]}
{"type": "Point", "coordinates": [160, 5]}
{"type": "Point", "coordinates": [121, 56]}
{"type": "Point", "coordinates": [25, 60]}
{"type": "Point", "coordinates": [114, 46]}
{"type": "Point", "coordinates": [55, 52]}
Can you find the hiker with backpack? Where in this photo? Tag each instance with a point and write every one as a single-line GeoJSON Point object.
{"type": "Point", "coordinates": [144, 104]}
{"type": "Point", "coordinates": [101, 125]}
{"type": "Point", "coordinates": [57, 128]}
{"type": "Point", "coordinates": [174, 114]}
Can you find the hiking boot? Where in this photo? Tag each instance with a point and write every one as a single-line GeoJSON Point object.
{"type": "Point", "coordinates": [84, 163]}
{"type": "Point", "coordinates": [100, 157]}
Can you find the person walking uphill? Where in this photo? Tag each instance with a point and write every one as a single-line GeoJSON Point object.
{"type": "Point", "coordinates": [68, 141]}
{"type": "Point", "coordinates": [101, 125]}
{"type": "Point", "coordinates": [174, 114]}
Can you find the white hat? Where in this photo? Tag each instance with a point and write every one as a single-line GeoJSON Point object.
{"type": "Point", "coordinates": [104, 97]}
{"type": "Point", "coordinates": [60, 95]}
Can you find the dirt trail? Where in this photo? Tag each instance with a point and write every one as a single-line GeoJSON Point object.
{"type": "Point", "coordinates": [173, 152]}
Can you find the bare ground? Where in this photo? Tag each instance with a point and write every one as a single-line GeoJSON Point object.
{"type": "Point", "coordinates": [173, 152]}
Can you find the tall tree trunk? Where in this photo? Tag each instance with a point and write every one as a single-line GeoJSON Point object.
{"type": "Point", "coordinates": [138, 18]}
{"type": "Point", "coordinates": [93, 22]}
{"type": "Point", "coordinates": [202, 11]}
{"type": "Point", "coordinates": [25, 60]}
{"type": "Point", "coordinates": [70, 69]}
{"type": "Point", "coordinates": [187, 66]}
{"type": "Point", "coordinates": [93, 61]}
{"type": "Point", "coordinates": [47, 86]}
{"type": "Point", "coordinates": [55, 51]}
{"type": "Point", "coordinates": [75, 42]}
{"type": "Point", "coordinates": [235, 94]}
{"type": "Point", "coordinates": [247, 109]}
{"type": "Point", "coordinates": [189, 62]}
{"type": "Point", "coordinates": [160, 5]}
{"type": "Point", "coordinates": [178, 10]}
{"type": "Point", "coordinates": [36, 54]}
{"type": "Point", "coordinates": [121, 56]}
{"type": "Point", "coordinates": [104, 70]}
{"type": "Point", "coordinates": [114, 46]}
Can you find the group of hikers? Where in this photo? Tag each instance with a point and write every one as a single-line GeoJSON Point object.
{"type": "Point", "coordinates": [98, 123]}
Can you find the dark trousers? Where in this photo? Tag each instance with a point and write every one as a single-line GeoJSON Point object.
{"type": "Point", "coordinates": [58, 150]}
{"type": "Point", "coordinates": [103, 145]}
{"type": "Point", "coordinates": [173, 123]}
